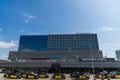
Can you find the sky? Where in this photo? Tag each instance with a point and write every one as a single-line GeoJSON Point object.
{"type": "Point", "coordinates": [41, 17]}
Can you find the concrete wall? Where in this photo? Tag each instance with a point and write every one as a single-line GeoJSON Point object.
{"type": "Point", "coordinates": [24, 55]}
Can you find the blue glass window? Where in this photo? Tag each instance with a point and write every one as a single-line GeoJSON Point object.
{"type": "Point", "coordinates": [34, 43]}
{"type": "Point", "coordinates": [58, 42]}
{"type": "Point", "coordinates": [75, 56]}
{"type": "Point", "coordinates": [94, 56]}
{"type": "Point", "coordinates": [15, 57]}
{"type": "Point", "coordinates": [85, 56]}
{"type": "Point", "coordinates": [22, 56]}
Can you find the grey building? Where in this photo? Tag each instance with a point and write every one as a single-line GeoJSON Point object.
{"type": "Point", "coordinates": [117, 54]}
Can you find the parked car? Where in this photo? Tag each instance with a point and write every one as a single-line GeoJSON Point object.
{"type": "Point", "coordinates": [23, 74]}
{"type": "Point", "coordinates": [79, 75]}
{"type": "Point", "coordinates": [32, 75]}
{"type": "Point", "coordinates": [112, 74]}
{"type": "Point", "coordinates": [115, 75]}
{"type": "Point", "coordinates": [102, 75]}
{"type": "Point", "coordinates": [43, 75]}
{"type": "Point", "coordinates": [58, 76]}
{"type": "Point", "coordinates": [12, 75]}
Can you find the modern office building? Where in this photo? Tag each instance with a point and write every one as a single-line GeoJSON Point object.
{"type": "Point", "coordinates": [58, 46]}
{"type": "Point", "coordinates": [117, 54]}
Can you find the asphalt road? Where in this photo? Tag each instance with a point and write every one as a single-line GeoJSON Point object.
{"type": "Point", "coordinates": [50, 76]}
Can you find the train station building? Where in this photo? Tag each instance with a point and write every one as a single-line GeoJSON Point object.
{"type": "Point", "coordinates": [57, 47]}
{"type": "Point", "coordinates": [60, 52]}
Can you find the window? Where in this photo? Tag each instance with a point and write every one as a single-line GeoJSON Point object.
{"type": "Point", "coordinates": [15, 57]}
{"type": "Point", "coordinates": [22, 56]}
{"type": "Point", "coordinates": [66, 56]}
{"type": "Point", "coordinates": [85, 56]}
{"type": "Point", "coordinates": [94, 56]}
{"type": "Point", "coordinates": [75, 56]}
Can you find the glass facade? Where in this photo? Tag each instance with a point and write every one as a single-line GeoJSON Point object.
{"type": "Point", "coordinates": [73, 42]}
{"type": "Point", "coordinates": [33, 43]}
{"type": "Point", "coordinates": [59, 42]}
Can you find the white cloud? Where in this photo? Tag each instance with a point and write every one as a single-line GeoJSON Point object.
{"type": "Point", "coordinates": [26, 21]}
{"type": "Point", "coordinates": [6, 45]}
{"type": "Point", "coordinates": [0, 29]}
{"type": "Point", "coordinates": [105, 29]}
{"type": "Point", "coordinates": [15, 42]}
{"type": "Point", "coordinates": [109, 49]}
{"type": "Point", "coordinates": [27, 17]}
{"type": "Point", "coordinates": [4, 56]}
{"type": "Point", "coordinates": [30, 16]}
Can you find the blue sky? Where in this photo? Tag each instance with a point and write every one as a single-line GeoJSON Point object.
{"type": "Point", "coordinates": [31, 17]}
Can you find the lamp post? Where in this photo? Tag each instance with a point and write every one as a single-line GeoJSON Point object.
{"type": "Point", "coordinates": [92, 60]}
{"type": "Point", "coordinates": [93, 65]}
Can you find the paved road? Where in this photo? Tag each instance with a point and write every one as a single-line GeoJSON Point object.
{"type": "Point", "coordinates": [50, 76]}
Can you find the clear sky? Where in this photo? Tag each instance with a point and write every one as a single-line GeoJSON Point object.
{"type": "Point", "coordinates": [28, 17]}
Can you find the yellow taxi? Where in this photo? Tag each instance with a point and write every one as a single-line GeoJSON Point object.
{"type": "Point", "coordinates": [24, 75]}
{"type": "Point", "coordinates": [102, 75]}
{"type": "Point", "coordinates": [116, 76]}
{"type": "Point", "coordinates": [82, 77]}
{"type": "Point", "coordinates": [79, 75]}
{"type": "Point", "coordinates": [12, 76]}
{"type": "Point", "coordinates": [32, 76]}
{"type": "Point", "coordinates": [58, 76]}
{"type": "Point", "coordinates": [43, 75]}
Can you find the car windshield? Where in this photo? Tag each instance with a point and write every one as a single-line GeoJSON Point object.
{"type": "Point", "coordinates": [104, 72]}
{"type": "Point", "coordinates": [118, 73]}
{"type": "Point", "coordinates": [78, 73]}
{"type": "Point", "coordinates": [113, 73]}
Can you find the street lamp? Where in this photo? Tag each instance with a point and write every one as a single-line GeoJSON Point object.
{"type": "Point", "coordinates": [93, 64]}
{"type": "Point", "coordinates": [92, 59]}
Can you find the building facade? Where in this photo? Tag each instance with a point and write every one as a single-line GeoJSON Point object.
{"type": "Point", "coordinates": [117, 54]}
{"type": "Point", "coordinates": [58, 46]}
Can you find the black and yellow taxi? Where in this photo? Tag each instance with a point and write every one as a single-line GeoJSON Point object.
{"type": "Point", "coordinates": [59, 76]}
{"type": "Point", "coordinates": [12, 76]}
{"type": "Point", "coordinates": [112, 74]}
{"type": "Point", "coordinates": [79, 75]}
{"type": "Point", "coordinates": [6, 75]}
{"type": "Point", "coordinates": [102, 75]}
{"type": "Point", "coordinates": [23, 74]}
{"type": "Point", "coordinates": [115, 75]}
{"type": "Point", "coordinates": [32, 76]}
{"type": "Point", "coordinates": [43, 75]}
